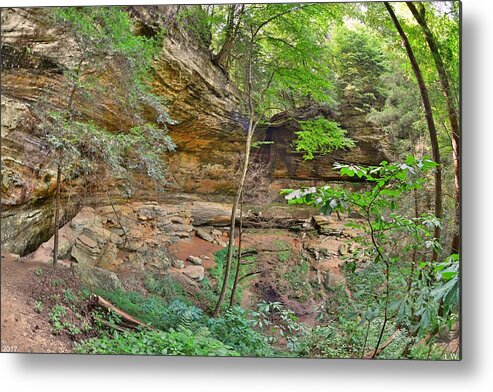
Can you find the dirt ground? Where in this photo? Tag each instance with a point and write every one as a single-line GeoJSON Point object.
{"type": "Point", "coordinates": [25, 330]}
{"type": "Point", "coordinates": [22, 329]}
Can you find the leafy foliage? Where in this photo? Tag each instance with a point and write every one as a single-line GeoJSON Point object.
{"type": "Point", "coordinates": [236, 329]}
{"type": "Point", "coordinates": [420, 295]}
{"type": "Point", "coordinates": [85, 146]}
{"type": "Point", "coordinates": [321, 136]}
{"type": "Point", "coordinates": [358, 59]}
{"type": "Point", "coordinates": [104, 37]}
{"type": "Point", "coordinates": [173, 342]}
{"type": "Point", "coordinates": [104, 32]}
{"type": "Point", "coordinates": [152, 310]}
{"type": "Point", "coordinates": [281, 322]}
{"type": "Point", "coordinates": [217, 271]}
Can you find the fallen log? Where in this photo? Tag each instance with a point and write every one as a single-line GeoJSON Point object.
{"type": "Point", "coordinates": [127, 320]}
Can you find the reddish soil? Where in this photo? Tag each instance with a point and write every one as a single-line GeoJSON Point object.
{"type": "Point", "coordinates": [195, 246]}
{"type": "Point", "coordinates": [22, 329]}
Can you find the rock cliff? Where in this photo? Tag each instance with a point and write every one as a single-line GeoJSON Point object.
{"type": "Point", "coordinates": [287, 167]}
{"type": "Point", "coordinates": [206, 106]}
{"type": "Point", "coordinates": [35, 54]}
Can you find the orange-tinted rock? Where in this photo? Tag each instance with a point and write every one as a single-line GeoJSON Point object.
{"type": "Point", "coordinates": [209, 129]}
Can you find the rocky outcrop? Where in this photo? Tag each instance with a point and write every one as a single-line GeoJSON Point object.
{"type": "Point", "coordinates": [136, 234]}
{"type": "Point", "coordinates": [289, 169]}
{"type": "Point", "coordinates": [195, 272]}
{"type": "Point", "coordinates": [94, 278]}
{"type": "Point", "coordinates": [35, 54]}
{"type": "Point", "coordinates": [209, 129]}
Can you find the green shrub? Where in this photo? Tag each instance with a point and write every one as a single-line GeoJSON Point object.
{"type": "Point", "coordinates": [182, 315]}
{"type": "Point", "coordinates": [165, 286]}
{"type": "Point", "coordinates": [206, 296]}
{"type": "Point", "coordinates": [38, 306]}
{"type": "Point", "coordinates": [297, 279]}
{"type": "Point", "coordinates": [284, 251]}
{"type": "Point", "coordinates": [324, 342]}
{"type": "Point", "coordinates": [174, 342]}
{"type": "Point", "coordinates": [39, 271]}
{"type": "Point", "coordinates": [236, 330]}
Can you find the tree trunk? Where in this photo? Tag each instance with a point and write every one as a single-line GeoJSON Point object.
{"type": "Point", "coordinates": [452, 111]}
{"type": "Point", "coordinates": [238, 265]}
{"type": "Point", "coordinates": [248, 144]}
{"type": "Point", "coordinates": [229, 257]}
{"type": "Point", "coordinates": [222, 57]}
{"type": "Point", "coordinates": [429, 121]}
{"type": "Point", "coordinates": [57, 213]}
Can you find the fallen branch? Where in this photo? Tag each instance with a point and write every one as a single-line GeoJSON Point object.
{"type": "Point", "coordinates": [127, 321]}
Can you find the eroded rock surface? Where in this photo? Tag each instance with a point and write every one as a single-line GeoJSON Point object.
{"type": "Point", "coordinates": [111, 236]}
{"type": "Point", "coordinates": [209, 130]}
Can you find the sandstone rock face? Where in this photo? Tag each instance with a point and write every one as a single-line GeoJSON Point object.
{"type": "Point", "coordinates": [25, 227]}
{"type": "Point", "coordinates": [209, 130]}
{"type": "Point", "coordinates": [110, 236]}
{"type": "Point", "coordinates": [289, 169]}
{"type": "Point", "coordinates": [35, 54]}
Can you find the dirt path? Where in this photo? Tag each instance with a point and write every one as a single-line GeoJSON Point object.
{"type": "Point", "coordinates": [22, 329]}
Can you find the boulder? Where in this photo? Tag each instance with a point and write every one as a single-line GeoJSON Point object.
{"type": "Point", "coordinates": [102, 235]}
{"type": "Point", "coordinates": [89, 242]}
{"type": "Point", "coordinates": [178, 264]}
{"type": "Point", "coordinates": [84, 255]}
{"type": "Point", "coordinates": [344, 249]}
{"type": "Point", "coordinates": [210, 213]}
{"type": "Point", "coordinates": [327, 225]}
{"type": "Point", "coordinates": [332, 281]}
{"type": "Point", "coordinates": [136, 260]}
{"type": "Point", "coordinates": [85, 218]}
{"type": "Point", "coordinates": [157, 257]}
{"type": "Point", "coordinates": [195, 272]}
{"type": "Point", "coordinates": [202, 233]}
{"type": "Point", "coordinates": [109, 259]}
{"type": "Point", "coordinates": [134, 244]}
{"type": "Point", "coordinates": [66, 240]}
{"type": "Point", "coordinates": [221, 243]}
{"type": "Point", "coordinates": [179, 220]}
{"type": "Point", "coordinates": [94, 278]}
{"type": "Point", "coordinates": [317, 250]}
{"type": "Point", "coordinates": [181, 227]}
{"type": "Point", "coordinates": [195, 260]}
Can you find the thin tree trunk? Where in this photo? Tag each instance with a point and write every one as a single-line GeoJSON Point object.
{"type": "Point", "coordinates": [59, 174]}
{"type": "Point", "coordinates": [229, 257]}
{"type": "Point", "coordinates": [452, 111]}
{"type": "Point", "coordinates": [238, 265]}
{"type": "Point", "coordinates": [429, 121]}
{"type": "Point", "coordinates": [57, 213]}
{"type": "Point", "coordinates": [251, 129]}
